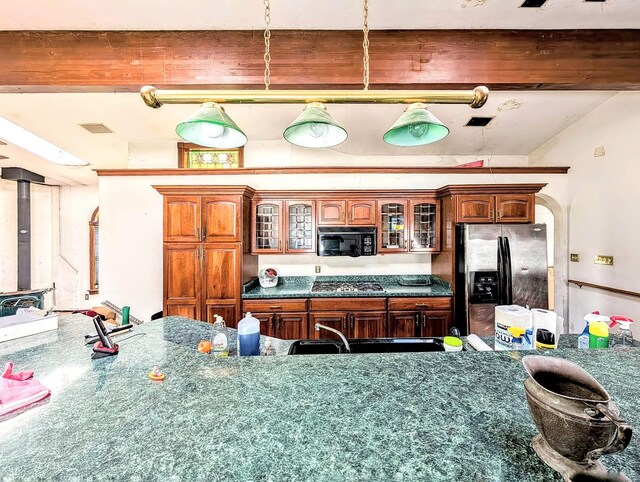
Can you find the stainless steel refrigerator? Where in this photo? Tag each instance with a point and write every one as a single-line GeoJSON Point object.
{"type": "Point", "coordinates": [498, 264]}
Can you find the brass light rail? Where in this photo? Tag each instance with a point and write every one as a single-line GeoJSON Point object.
{"type": "Point", "coordinates": [619, 291]}
{"type": "Point", "coordinates": [156, 98]}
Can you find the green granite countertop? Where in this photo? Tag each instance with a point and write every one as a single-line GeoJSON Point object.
{"type": "Point", "coordinates": [405, 417]}
{"type": "Point", "coordinates": [300, 287]}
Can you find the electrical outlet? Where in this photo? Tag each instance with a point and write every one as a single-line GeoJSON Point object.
{"type": "Point", "coordinates": [575, 258]}
{"type": "Point", "coordinates": [598, 151]}
{"type": "Point", "coordinates": [86, 296]}
{"type": "Point", "coordinates": [317, 269]}
{"type": "Point", "coordinates": [602, 259]}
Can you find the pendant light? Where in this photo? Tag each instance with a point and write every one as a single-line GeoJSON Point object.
{"type": "Point", "coordinates": [416, 127]}
{"type": "Point", "coordinates": [210, 126]}
{"type": "Point", "coordinates": [315, 128]}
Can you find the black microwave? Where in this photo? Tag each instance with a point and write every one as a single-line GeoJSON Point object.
{"type": "Point", "coordinates": [346, 241]}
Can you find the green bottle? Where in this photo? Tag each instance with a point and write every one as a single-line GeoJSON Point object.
{"type": "Point", "coordinates": [598, 335]}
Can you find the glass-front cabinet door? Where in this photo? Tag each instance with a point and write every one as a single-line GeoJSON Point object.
{"type": "Point", "coordinates": [424, 229]}
{"type": "Point", "coordinates": [300, 227]}
{"type": "Point", "coordinates": [392, 232]}
{"type": "Point", "coordinates": [267, 224]}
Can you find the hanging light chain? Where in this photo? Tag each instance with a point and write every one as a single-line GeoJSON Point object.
{"type": "Point", "coordinates": [365, 46]}
{"type": "Point", "coordinates": [267, 43]}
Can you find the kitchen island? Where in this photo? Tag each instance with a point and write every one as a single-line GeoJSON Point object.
{"type": "Point", "coordinates": [421, 416]}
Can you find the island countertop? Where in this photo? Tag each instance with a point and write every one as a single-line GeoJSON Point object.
{"type": "Point", "coordinates": [300, 287]}
{"type": "Point", "coordinates": [414, 416]}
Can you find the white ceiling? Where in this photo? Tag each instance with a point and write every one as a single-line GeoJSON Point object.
{"type": "Point", "coordinates": [309, 14]}
{"type": "Point", "coordinates": [523, 121]}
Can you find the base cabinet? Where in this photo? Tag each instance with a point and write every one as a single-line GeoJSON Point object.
{"type": "Point", "coordinates": [410, 317]}
{"type": "Point", "coordinates": [353, 325]}
{"type": "Point", "coordinates": [285, 319]}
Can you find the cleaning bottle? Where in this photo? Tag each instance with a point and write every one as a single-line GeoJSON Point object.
{"type": "Point", "coordinates": [621, 339]}
{"type": "Point", "coordinates": [598, 335]}
{"type": "Point", "coordinates": [219, 337]}
{"type": "Point", "coordinates": [520, 338]}
{"type": "Point", "coordinates": [583, 339]}
{"type": "Point", "coordinates": [249, 336]}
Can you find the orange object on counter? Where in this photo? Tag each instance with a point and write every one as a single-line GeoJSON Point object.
{"type": "Point", "coordinates": [204, 346]}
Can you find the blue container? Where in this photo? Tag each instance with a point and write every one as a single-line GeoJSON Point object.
{"type": "Point", "coordinates": [249, 336]}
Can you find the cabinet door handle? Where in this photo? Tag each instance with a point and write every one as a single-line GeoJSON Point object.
{"type": "Point", "coordinates": [422, 305]}
{"type": "Point", "coordinates": [278, 323]}
{"type": "Point", "coordinates": [279, 245]}
{"type": "Point", "coordinates": [424, 321]}
{"type": "Point", "coordinates": [287, 245]}
{"type": "Point", "coordinates": [273, 324]}
{"type": "Point", "coordinates": [198, 234]}
{"type": "Point", "coordinates": [204, 234]}
{"type": "Point", "coordinates": [417, 320]}
{"type": "Point", "coordinates": [352, 321]}
{"type": "Point", "coordinates": [274, 307]}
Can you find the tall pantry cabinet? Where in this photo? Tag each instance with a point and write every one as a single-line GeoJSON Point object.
{"type": "Point", "coordinates": [207, 246]}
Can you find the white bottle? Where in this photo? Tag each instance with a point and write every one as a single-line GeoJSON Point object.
{"type": "Point", "coordinates": [219, 338]}
{"type": "Point", "coordinates": [249, 336]}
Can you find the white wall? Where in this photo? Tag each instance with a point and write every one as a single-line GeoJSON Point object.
{"type": "Point", "coordinates": [131, 226]}
{"type": "Point", "coordinates": [59, 241]}
{"type": "Point", "coordinates": [603, 200]}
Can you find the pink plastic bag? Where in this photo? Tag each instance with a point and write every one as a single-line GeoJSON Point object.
{"type": "Point", "coordinates": [18, 390]}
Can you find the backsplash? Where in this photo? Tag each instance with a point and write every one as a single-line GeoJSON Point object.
{"type": "Point", "coordinates": [304, 265]}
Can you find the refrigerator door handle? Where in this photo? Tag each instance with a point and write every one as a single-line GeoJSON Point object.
{"type": "Point", "coordinates": [501, 277]}
{"type": "Point", "coordinates": [507, 270]}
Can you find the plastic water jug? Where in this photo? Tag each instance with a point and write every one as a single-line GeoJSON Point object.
{"type": "Point", "coordinates": [249, 336]}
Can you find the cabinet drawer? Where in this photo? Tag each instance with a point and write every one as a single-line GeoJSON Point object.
{"type": "Point", "coordinates": [347, 304]}
{"type": "Point", "coordinates": [274, 305]}
{"type": "Point", "coordinates": [417, 304]}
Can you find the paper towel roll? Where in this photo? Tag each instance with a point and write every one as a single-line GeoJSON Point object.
{"type": "Point", "coordinates": [547, 320]}
{"type": "Point", "coordinates": [507, 316]}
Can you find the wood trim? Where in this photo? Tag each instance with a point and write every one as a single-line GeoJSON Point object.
{"type": "Point", "coordinates": [618, 291]}
{"type": "Point", "coordinates": [123, 61]}
{"type": "Point", "coordinates": [203, 190]}
{"type": "Point", "coordinates": [472, 189]}
{"type": "Point", "coordinates": [332, 170]}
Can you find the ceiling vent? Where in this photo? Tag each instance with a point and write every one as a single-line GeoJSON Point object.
{"type": "Point", "coordinates": [478, 121]}
{"type": "Point", "coordinates": [97, 128]}
{"type": "Point", "coordinates": [3, 157]}
{"type": "Point", "coordinates": [533, 3]}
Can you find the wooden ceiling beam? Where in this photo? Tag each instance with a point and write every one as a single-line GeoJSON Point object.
{"type": "Point", "coordinates": [117, 61]}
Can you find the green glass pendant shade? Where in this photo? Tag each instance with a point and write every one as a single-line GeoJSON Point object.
{"type": "Point", "coordinates": [210, 126]}
{"type": "Point", "coordinates": [315, 127]}
{"type": "Point", "coordinates": [416, 127]}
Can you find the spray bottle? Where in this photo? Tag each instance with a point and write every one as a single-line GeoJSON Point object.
{"type": "Point", "coordinates": [219, 338]}
{"type": "Point", "coordinates": [622, 339]}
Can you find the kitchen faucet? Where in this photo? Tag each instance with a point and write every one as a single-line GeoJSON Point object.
{"type": "Point", "coordinates": [337, 332]}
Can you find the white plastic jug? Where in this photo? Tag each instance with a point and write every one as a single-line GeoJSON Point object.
{"type": "Point", "coordinates": [249, 336]}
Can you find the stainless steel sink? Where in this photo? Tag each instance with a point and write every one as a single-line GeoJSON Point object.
{"type": "Point", "coordinates": [366, 345]}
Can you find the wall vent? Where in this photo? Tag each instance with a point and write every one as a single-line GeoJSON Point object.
{"type": "Point", "coordinates": [533, 3]}
{"type": "Point", "coordinates": [478, 121]}
{"type": "Point", "coordinates": [97, 128]}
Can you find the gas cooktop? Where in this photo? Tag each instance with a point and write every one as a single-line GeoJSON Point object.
{"type": "Point", "coordinates": [328, 286]}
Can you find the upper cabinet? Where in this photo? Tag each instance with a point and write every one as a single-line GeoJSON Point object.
{"type": "Point", "coordinates": [351, 212]}
{"type": "Point", "coordinates": [361, 213]}
{"type": "Point", "coordinates": [202, 218]}
{"type": "Point", "coordinates": [424, 225]}
{"type": "Point", "coordinates": [332, 212]}
{"type": "Point", "coordinates": [182, 216]}
{"type": "Point", "coordinates": [300, 227]}
{"type": "Point", "coordinates": [392, 231]}
{"type": "Point", "coordinates": [499, 208]}
{"type": "Point", "coordinates": [283, 226]}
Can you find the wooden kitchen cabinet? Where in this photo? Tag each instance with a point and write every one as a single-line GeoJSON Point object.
{"type": "Point", "coordinates": [182, 219]}
{"type": "Point", "coordinates": [361, 213]}
{"type": "Point", "coordinates": [300, 226]}
{"type": "Point", "coordinates": [206, 250]}
{"type": "Point", "coordinates": [280, 318]}
{"type": "Point", "coordinates": [392, 229]}
{"type": "Point", "coordinates": [500, 208]}
{"type": "Point", "coordinates": [266, 219]}
{"type": "Point", "coordinates": [424, 225]}
{"type": "Point", "coordinates": [354, 317]}
{"type": "Point", "coordinates": [182, 280]}
{"type": "Point", "coordinates": [332, 212]}
{"type": "Point", "coordinates": [419, 316]}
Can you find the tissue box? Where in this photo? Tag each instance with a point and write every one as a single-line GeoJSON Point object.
{"type": "Point", "coordinates": [25, 324]}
